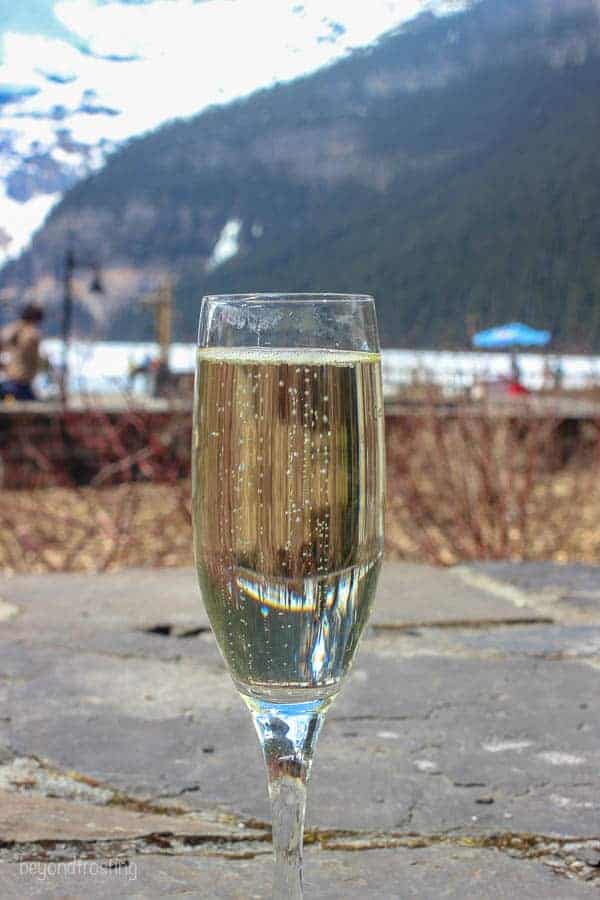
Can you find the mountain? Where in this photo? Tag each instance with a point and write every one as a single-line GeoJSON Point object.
{"type": "Point", "coordinates": [451, 170]}
{"type": "Point", "coordinates": [77, 79]}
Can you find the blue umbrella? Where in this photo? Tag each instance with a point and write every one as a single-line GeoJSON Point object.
{"type": "Point", "coordinates": [514, 334]}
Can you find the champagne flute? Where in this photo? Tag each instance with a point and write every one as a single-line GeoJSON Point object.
{"type": "Point", "coordinates": [288, 488]}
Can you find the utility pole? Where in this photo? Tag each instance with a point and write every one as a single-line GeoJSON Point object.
{"type": "Point", "coordinates": [67, 321]}
{"type": "Point", "coordinates": [164, 318]}
{"type": "Point", "coordinates": [161, 301]}
{"type": "Point", "coordinates": [96, 286]}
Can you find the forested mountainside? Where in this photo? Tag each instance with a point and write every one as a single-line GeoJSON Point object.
{"type": "Point", "coordinates": [451, 170]}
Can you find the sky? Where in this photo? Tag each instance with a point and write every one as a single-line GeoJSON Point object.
{"type": "Point", "coordinates": [79, 76]}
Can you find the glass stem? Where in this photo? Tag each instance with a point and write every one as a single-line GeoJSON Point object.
{"type": "Point", "coordinates": [288, 804]}
{"type": "Point", "coordinates": [288, 733]}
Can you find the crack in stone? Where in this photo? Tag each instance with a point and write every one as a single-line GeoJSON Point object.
{"type": "Point", "coordinates": [161, 842]}
{"type": "Point", "coordinates": [63, 784]}
{"type": "Point", "coordinates": [188, 789]}
{"type": "Point", "coordinates": [466, 624]}
{"type": "Point", "coordinates": [412, 806]}
{"type": "Point", "coordinates": [577, 858]}
{"type": "Point", "coordinates": [169, 630]}
{"type": "Point", "coordinates": [424, 717]}
{"type": "Point", "coordinates": [469, 784]}
{"type": "Point", "coordinates": [571, 857]}
{"type": "Point", "coordinates": [565, 655]}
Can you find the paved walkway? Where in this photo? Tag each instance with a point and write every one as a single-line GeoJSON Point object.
{"type": "Point", "coordinates": [462, 759]}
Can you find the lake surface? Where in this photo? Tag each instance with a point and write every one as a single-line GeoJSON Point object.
{"type": "Point", "coordinates": [103, 366]}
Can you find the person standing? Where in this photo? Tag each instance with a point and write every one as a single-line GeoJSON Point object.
{"type": "Point", "coordinates": [20, 358]}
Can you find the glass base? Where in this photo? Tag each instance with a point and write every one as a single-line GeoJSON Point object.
{"type": "Point", "coordinates": [267, 695]}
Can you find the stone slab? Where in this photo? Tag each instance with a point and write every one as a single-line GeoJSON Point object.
{"type": "Point", "coordinates": [132, 598]}
{"type": "Point", "coordinates": [569, 593]}
{"type": "Point", "coordinates": [30, 818]}
{"type": "Point", "coordinates": [420, 740]}
{"type": "Point", "coordinates": [569, 642]}
{"type": "Point", "coordinates": [451, 723]}
{"type": "Point", "coordinates": [74, 608]}
{"type": "Point", "coordinates": [410, 594]}
{"type": "Point", "coordinates": [548, 641]}
{"type": "Point", "coordinates": [448, 872]}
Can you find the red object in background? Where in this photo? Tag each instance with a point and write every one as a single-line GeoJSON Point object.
{"type": "Point", "coordinates": [516, 389]}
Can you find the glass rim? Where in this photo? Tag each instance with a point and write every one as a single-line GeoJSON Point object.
{"type": "Point", "coordinates": [292, 297]}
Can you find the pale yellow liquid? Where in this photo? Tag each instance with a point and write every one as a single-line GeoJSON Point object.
{"type": "Point", "coordinates": [288, 484]}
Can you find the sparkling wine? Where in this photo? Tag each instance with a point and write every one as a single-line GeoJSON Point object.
{"type": "Point", "coordinates": [288, 481]}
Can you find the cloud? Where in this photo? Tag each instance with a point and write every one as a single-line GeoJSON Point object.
{"type": "Point", "coordinates": [95, 109]}
{"type": "Point", "coordinates": [57, 78]}
{"type": "Point", "coordinates": [120, 58]}
{"type": "Point", "coordinates": [335, 31]}
{"type": "Point", "coordinates": [112, 57]}
{"type": "Point", "coordinates": [14, 93]}
{"type": "Point", "coordinates": [34, 17]}
{"type": "Point", "coordinates": [181, 55]}
{"type": "Point", "coordinates": [55, 114]}
{"type": "Point", "coordinates": [132, 2]}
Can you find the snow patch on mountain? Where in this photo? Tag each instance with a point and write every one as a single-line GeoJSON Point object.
{"type": "Point", "coordinates": [18, 221]}
{"type": "Point", "coordinates": [35, 173]}
{"type": "Point", "coordinates": [227, 245]}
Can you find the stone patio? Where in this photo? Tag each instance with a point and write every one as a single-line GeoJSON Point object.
{"type": "Point", "coordinates": [461, 759]}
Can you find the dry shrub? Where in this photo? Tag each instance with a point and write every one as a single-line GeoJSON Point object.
{"type": "Point", "coordinates": [95, 529]}
{"type": "Point", "coordinates": [460, 487]}
{"type": "Point", "coordinates": [96, 491]}
{"type": "Point", "coordinates": [478, 485]}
